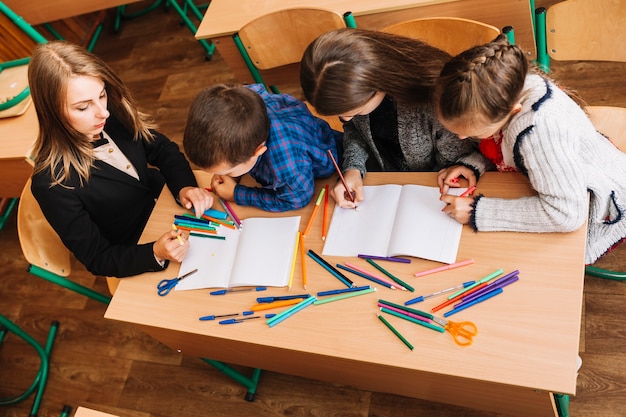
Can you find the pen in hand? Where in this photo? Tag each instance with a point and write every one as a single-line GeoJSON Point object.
{"type": "Point", "coordinates": [349, 194]}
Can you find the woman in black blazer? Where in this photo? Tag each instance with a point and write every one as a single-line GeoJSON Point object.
{"type": "Point", "coordinates": [99, 167]}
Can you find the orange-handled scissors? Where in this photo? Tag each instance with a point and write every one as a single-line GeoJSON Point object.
{"type": "Point", "coordinates": [462, 332]}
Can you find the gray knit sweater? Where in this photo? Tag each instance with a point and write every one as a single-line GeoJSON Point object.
{"type": "Point", "coordinates": [425, 143]}
{"type": "Point", "coordinates": [569, 164]}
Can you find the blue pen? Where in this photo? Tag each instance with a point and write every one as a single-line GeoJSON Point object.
{"type": "Point", "coordinates": [425, 297]}
{"type": "Point", "coordinates": [343, 290]}
{"type": "Point", "coordinates": [190, 218]}
{"type": "Point", "coordinates": [222, 292]}
{"type": "Point", "coordinates": [476, 301]}
{"type": "Point", "coordinates": [234, 321]}
{"type": "Point", "coordinates": [213, 317]}
{"type": "Point", "coordinates": [282, 297]}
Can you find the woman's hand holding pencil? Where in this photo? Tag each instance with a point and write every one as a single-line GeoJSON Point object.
{"type": "Point", "coordinates": [354, 183]}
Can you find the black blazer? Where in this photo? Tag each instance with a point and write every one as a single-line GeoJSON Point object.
{"type": "Point", "coordinates": [101, 221]}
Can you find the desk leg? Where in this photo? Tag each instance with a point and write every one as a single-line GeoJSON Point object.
{"type": "Point", "coordinates": [249, 383]}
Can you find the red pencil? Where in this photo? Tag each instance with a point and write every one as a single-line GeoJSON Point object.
{"type": "Point", "coordinates": [343, 181]}
{"type": "Point", "coordinates": [468, 191]}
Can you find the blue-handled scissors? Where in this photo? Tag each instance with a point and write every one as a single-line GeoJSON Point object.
{"type": "Point", "coordinates": [166, 285]}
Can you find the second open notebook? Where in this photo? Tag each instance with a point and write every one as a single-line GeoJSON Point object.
{"type": "Point", "coordinates": [396, 220]}
{"type": "Point", "coordinates": [260, 254]}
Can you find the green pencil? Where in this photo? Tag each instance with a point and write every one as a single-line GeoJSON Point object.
{"type": "Point", "coordinates": [390, 275]}
{"type": "Point", "coordinates": [342, 296]}
{"type": "Point", "coordinates": [397, 333]}
{"type": "Point", "coordinates": [208, 236]}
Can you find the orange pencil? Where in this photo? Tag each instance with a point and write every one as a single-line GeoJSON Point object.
{"type": "Point", "coordinates": [325, 213]}
{"type": "Point", "coordinates": [275, 304]}
{"type": "Point", "coordinates": [223, 223]}
{"type": "Point", "coordinates": [317, 206]}
{"type": "Point", "coordinates": [302, 258]}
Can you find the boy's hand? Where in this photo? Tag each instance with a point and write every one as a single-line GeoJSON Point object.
{"type": "Point", "coordinates": [355, 185]}
{"type": "Point", "coordinates": [224, 187]}
{"type": "Point", "coordinates": [197, 198]}
{"type": "Point", "coordinates": [449, 177]}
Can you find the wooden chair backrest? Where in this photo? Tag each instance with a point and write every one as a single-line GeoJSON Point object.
{"type": "Point", "coordinates": [587, 30]}
{"type": "Point", "coordinates": [280, 38]}
{"type": "Point", "coordinates": [610, 121]}
{"type": "Point", "coordinates": [451, 34]}
{"type": "Point", "coordinates": [40, 244]}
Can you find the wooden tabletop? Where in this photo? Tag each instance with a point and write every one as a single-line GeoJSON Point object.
{"type": "Point", "coordinates": [37, 12]}
{"type": "Point", "coordinates": [528, 336]}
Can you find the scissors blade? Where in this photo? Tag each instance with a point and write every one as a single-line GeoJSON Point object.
{"type": "Point", "coordinates": [440, 321]}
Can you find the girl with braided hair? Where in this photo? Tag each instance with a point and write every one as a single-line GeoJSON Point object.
{"type": "Point", "coordinates": [489, 92]}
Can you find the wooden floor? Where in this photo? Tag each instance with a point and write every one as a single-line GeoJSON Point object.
{"type": "Point", "coordinates": [113, 367]}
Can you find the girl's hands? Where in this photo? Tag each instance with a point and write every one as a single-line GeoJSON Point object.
{"type": "Point", "coordinates": [449, 177]}
{"type": "Point", "coordinates": [355, 185]}
{"type": "Point", "coordinates": [197, 198]}
{"type": "Point", "coordinates": [172, 246]}
{"type": "Point", "coordinates": [459, 208]}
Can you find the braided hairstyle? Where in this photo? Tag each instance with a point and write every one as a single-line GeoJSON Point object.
{"type": "Point", "coordinates": [483, 83]}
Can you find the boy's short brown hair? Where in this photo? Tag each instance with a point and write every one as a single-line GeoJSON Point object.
{"type": "Point", "coordinates": [225, 124]}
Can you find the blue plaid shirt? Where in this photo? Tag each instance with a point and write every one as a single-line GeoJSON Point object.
{"type": "Point", "coordinates": [296, 155]}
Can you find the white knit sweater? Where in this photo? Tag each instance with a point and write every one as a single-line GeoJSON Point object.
{"type": "Point", "coordinates": [569, 164]}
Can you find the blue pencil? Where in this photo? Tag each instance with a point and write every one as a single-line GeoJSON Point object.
{"type": "Point", "coordinates": [343, 290]}
{"type": "Point", "coordinates": [474, 302]}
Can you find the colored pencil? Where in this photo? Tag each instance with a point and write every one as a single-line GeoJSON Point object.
{"type": "Point", "coordinates": [341, 277]}
{"type": "Point", "coordinates": [411, 319]}
{"type": "Point", "coordinates": [485, 279]}
{"type": "Point", "coordinates": [180, 239]}
{"type": "Point", "coordinates": [343, 296]}
{"type": "Point", "coordinates": [397, 333]}
{"type": "Point", "coordinates": [343, 180]}
{"type": "Point", "coordinates": [485, 297]}
{"type": "Point", "coordinates": [232, 214]}
{"type": "Point", "coordinates": [293, 261]}
{"type": "Point", "coordinates": [458, 297]}
{"type": "Point", "coordinates": [220, 222]}
{"type": "Point", "coordinates": [303, 261]}
{"type": "Point", "coordinates": [385, 258]}
{"type": "Point", "coordinates": [315, 209]}
{"type": "Point", "coordinates": [415, 316]}
{"type": "Point", "coordinates": [342, 290]}
{"type": "Point", "coordinates": [204, 235]}
{"type": "Point", "coordinates": [445, 267]}
{"type": "Point", "coordinates": [425, 297]}
{"type": "Point", "coordinates": [275, 304]}
{"type": "Point", "coordinates": [361, 274]}
{"type": "Point", "coordinates": [494, 285]}
{"type": "Point", "coordinates": [291, 311]}
{"type": "Point", "coordinates": [325, 214]}
{"type": "Point", "coordinates": [389, 274]}
{"type": "Point", "coordinates": [378, 277]}
{"type": "Point", "coordinates": [468, 191]}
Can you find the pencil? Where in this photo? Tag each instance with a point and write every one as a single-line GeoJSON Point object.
{"type": "Point", "coordinates": [343, 181]}
{"type": "Point", "coordinates": [325, 214]}
{"type": "Point", "coordinates": [445, 267]}
{"type": "Point", "coordinates": [317, 206]}
{"type": "Point", "coordinates": [377, 277]}
{"type": "Point", "coordinates": [397, 333]}
{"type": "Point", "coordinates": [346, 295]}
{"type": "Point", "coordinates": [341, 277]}
{"type": "Point", "coordinates": [293, 261]}
{"type": "Point", "coordinates": [366, 276]}
{"type": "Point", "coordinates": [468, 191]}
{"type": "Point", "coordinates": [275, 304]}
{"type": "Point", "coordinates": [290, 311]}
{"type": "Point", "coordinates": [303, 260]}
{"type": "Point", "coordinates": [220, 222]}
{"type": "Point", "coordinates": [232, 213]}
{"type": "Point", "coordinates": [390, 275]}
{"type": "Point", "coordinates": [180, 239]}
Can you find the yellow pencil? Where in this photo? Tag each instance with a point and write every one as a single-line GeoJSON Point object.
{"type": "Point", "coordinates": [317, 206]}
{"type": "Point", "coordinates": [293, 261]}
{"type": "Point", "coordinates": [303, 260]}
{"type": "Point", "coordinates": [180, 239]}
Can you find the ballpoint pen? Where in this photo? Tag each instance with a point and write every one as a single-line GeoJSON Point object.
{"type": "Point", "coordinates": [280, 298]}
{"type": "Point", "coordinates": [229, 290]}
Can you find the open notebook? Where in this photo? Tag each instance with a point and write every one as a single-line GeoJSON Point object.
{"type": "Point", "coordinates": [396, 220]}
{"type": "Point", "coordinates": [259, 254]}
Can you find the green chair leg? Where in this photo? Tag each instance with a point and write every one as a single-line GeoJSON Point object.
{"type": "Point", "coordinates": [510, 34]}
{"type": "Point", "coordinates": [7, 211]}
{"type": "Point", "coordinates": [604, 273]}
{"type": "Point", "coordinates": [39, 384]}
{"type": "Point", "coordinates": [66, 283]}
{"type": "Point", "coordinates": [562, 404]}
{"type": "Point", "coordinates": [250, 383]}
{"type": "Point", "coordinates": [209, 47]}
{"type": "Point", "coordinates": [543, 59]}
{"type": "Point", "coordinates": [349, 19]}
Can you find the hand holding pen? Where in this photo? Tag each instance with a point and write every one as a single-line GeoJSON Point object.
{"type": "Point", "coordinates": [354, 183]}
{"type": "Point", "coordinates": [459, 207]}
{"type": "Point", "coordinates": [449, 178]}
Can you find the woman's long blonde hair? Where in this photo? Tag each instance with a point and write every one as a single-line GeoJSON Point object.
{"type": "Point", "coordinates": [59, 147]}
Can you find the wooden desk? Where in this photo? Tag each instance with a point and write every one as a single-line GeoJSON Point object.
{"type": "Point", "coordinates": [87, 412]}
{"type": "Point", "coordinates": [38, 12]}
{"type": "Point", "coordinates": [225, 17]}
{"type": "Point", "coordinates": [17, 135]}
{"type": "Point", "coordinates": [526, 348]}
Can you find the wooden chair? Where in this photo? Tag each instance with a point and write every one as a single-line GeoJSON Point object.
{"type": "Point", "coordinates": [279, 39]}
{"type": "Point", "coordinates": [451, 34]}
{"type": "Point", "coordinates": [587, 30]}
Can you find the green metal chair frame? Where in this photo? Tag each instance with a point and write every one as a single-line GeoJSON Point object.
{"type": "Point", "coordinates": [39, 383]}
